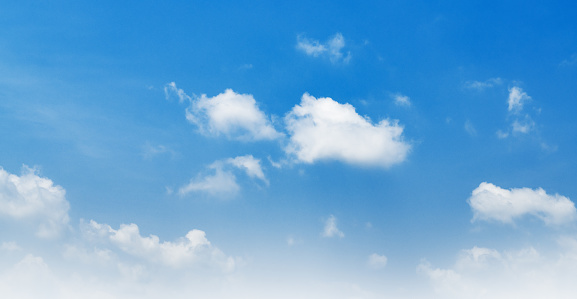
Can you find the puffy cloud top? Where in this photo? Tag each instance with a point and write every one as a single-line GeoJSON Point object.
{"type": "Point", "coordinates": [32, 198]}
{"type": "Point", "coordinates": [490, 202]}
{"type": "Point", "coordinates": [323, 129]}
{"type": "Point", "coordinates": [237, 116]}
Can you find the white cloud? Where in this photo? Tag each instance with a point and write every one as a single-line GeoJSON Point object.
{"type": "Point", "coordinates": [249, 164]}
{"type": "Point", "coordinates": [322, 129]}
{"type": "Point", "coordinates": [377, 261]}
{"type": "Point", "coordinates": [517, 98]}
{"type": "Point", "coordinates": [170, 90]}
{"type": "Point", "coordinates": [234, 115]}
{"type": "Point", "coordinates": [331, 229]}
{"type": "Point", "coordinates": [192, 249]}
{"type": "Point", "coordinates": [9, 246]}
{"type": "Point", "coordinates": [482, 85]}
{"type": "Point", "coordinates": [401, 100]}
{"type": "Point", "coordinates": [34, 199]}
{"type": "Point", "coordinates": [570, 61]}
{"type": "Point", "coordinates": [490, 202]}
{"type": "Point", "coordinates": [331, 49]}
{"type": "Point", "coordinates": [523, 127]}
{"type": "Point", "coordinates": [221, 184]}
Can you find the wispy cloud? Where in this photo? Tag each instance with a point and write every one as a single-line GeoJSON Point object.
{"type": "Point", "coordinates": [222, 183]}
{"type": "Point", "coordinates": [332, 49]}
{"type": "Point", "coordinates": [401, 100]}
{"type": "Point", "coordinates": [330, 230]}
{"type": "Point", "coordinates": [482, 85]}
{"type": "Point", "coordinates": [377, 261]}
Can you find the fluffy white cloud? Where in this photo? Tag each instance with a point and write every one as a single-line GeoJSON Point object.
{"type": "Point", "coordinates": [517, 98]}
{"type": "Point", "coordinates": [223, 182]}
{"type": "Point", "coordinates": [401, 100]}
{"type": "Point", "coordinates": [482, 85]}
{"type": "Point", "coordinates": [377, 261]}
{"type": "Point", "coordinates": [331, 229]}
{"type": "Point", "coordinates": [234, 115]}
{"type": "Point", "coordinates": [490, 202]}
{"type": "Point", "coordinates": [192, 249]}
{"type": "Point", "coordinates": [323, 129]}
{"type": "Point", "coordinates": [34, 199]}
{"type": "Point", "coordinates": [331, 49]}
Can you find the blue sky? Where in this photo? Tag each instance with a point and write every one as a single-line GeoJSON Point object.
{"type": "Point", "coordinates": [238, 149]}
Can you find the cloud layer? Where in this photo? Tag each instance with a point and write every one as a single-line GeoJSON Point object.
{"type": "Point", "coordinates": [490, 202]}
{"type": "Point", "coordinates": [323, 129]}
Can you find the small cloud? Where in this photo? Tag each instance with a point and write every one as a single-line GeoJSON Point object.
{"type": "Point", "coordinates": [401, 100]}
{"type": "Point", "coordinates": [10, 246]}
{"type": "Point", "coordinates": [236, 116]}
{"type": "Point", "coordinates": [517, 98]}
{"type": "Point", "coordinates": [223, 182]}
{"type": "Point", "coordinates": [502, 135]}
{"type": "Point", "coordinates": [331, 49]}
{"type": "Point", "coordinates": [377, 261]}
{"type": "Point", "coordinates": [246, 66]}
{"type": "Point", "coordinates": [150, 151]}
{"type": "Point", "coordinates": [482, 85]}
{"type": "Point", "coordinates": [570, 61]}
{"type": "Point", "coordinates": [249, 164]}
{"type": "Point", "coordinates": [331, 229]}
{"type": "Point", "coordinates": [470, 128]}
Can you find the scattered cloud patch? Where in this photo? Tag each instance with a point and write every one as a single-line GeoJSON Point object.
{"type": "Point", "coordinates": [170, 91]}
{"type": "Point", "coordinates": [236, 116]}
{"type": "Point", "coordinates": [34, 199]}
{"type": "Point", "coordinates": [222, 183]}
{"type": "Point", "coordinates": [249, 164]}
{"type": "Point", "coordinates": [377, 261]}
{"type": "Point", "coordinates": [331, 229]}
{"type": "Point", "coordinates": [569, 61]}
{"type": "Point", "coordinates": [517, 98]}
{"type": "Point", "coordinates": [323, 129]}
{"type": "Point", "coordinates": [9, 246]}
{"type": "Point", "coordinates": [401, 100]}
{"type": "Point", "coordinates": [150, 151]}
{"type": "Point", "coordinates": [482, 85]}
{"type": "Point", "coordinates": [192, 249]}
{"type": "Point", "coordinates": [332, 49]}
{"type": "Point", "coordinates": [470, 128]}
{"type": "Point", "coordinates": [492, 203]}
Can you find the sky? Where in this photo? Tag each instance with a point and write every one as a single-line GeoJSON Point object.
{"type": "Point", "coordinates": [250, 149]}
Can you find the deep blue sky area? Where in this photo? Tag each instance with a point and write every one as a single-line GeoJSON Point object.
{"type": "Point", "coordinates": [253, 149]}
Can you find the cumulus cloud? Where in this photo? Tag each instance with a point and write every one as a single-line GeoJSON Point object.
{"type": "Point", "coordinates": [377, 261]}
{"type": "Point", "coordinates": [192, 249]}
{"type": "Point", "coordinates": [323, 129]}
{"type": "Point", "coordinates": [34, 199]}
{"type": "Point", "coordinates": [331, 229]}
{"type": "Point", "coordinates": [401, 100]}
{"type": "Point", "coordinates": [223, 182]}
{"type": "Point", "coordinates": [517, 98]}
{"type": "Point", "coordinates": [482, 85]}
{"type": "Point", "coordinates": [331, 48]}
{"type": "Point", "coordinates": [236, 116]}
{"type": "Point", "coordinates": [490, 202]}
